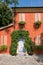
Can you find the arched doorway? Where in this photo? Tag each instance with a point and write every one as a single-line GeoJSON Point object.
{"type": "Point", "coordinates": [21, 48]}
{"type": "Point", "coordinates": [20, 42]}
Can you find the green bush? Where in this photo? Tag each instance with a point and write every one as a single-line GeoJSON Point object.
{"type": "Point", "coordinates": [29, 47]}
{"type": "Point", "coordinates": [21, 22]}
{"type": "Point", "coordinates": [39, 47]}
{"type": "Point", "coordinates": [13, 49]}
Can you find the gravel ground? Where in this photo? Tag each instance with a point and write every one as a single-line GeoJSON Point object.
{"type": "Point", "coordinates": [6, 59]}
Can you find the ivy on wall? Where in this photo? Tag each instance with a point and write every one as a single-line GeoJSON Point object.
{"type": "Point", "coordinates": [16, 36]}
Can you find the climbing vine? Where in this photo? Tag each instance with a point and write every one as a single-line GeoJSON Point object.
{"type": "Point", "coordinates": [16, 36]}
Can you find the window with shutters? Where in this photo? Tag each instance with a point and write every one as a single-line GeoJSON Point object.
{"type": "Point", "coordinates": [21, 16]}
{"type": "Point", "coordinates": [37, 17]}
{"type": "Point", "coordinates": [4, 40]}
{"type": "Point", "coordinates": [37, 40]}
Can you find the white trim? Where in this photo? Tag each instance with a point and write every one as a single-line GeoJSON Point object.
{"type": "Point", "coordinates": [3, 39]}
{"type": "Point", "coordinates": [21, 16]}
{"type": "Point", "coordinates": [37, 40]}
{"type": "Point", "coordinates": [37, 17]}
{"type": "Point", "coordinates": [6, 26]}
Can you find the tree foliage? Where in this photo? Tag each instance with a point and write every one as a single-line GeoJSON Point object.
{"type": "Point", "coordinates": [6, 12]}
{"type": "Point", "coordinates": [10, 2]}
{"type": "Point", "coordinates": [6, 16]}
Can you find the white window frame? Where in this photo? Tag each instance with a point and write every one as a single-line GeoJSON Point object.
{"type": "Point", "coordinates": [37, 17]}
{"type": "Point", "coordinates": [21, 16]}
{"type": "Point", "coordinates": [3, 39]}
{"type": "Point", "coordinates": [37, 40]}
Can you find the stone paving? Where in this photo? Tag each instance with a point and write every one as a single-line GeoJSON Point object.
{"type": "Point", "coordinates": [6, 59]}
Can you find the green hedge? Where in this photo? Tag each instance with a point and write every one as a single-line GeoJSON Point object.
{"type": "Point", "coordinates": [13, 48]}
{"type": "Point", "coordinates": [29, 46]}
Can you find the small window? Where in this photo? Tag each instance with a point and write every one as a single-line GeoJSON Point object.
{"type": "Point", "coordinates": [37, 40]}
{"type": "Point", "coordinates": [4, 40]}
{"type": "Point", "coordinates": [21, 17]}
{"type": "Point", "coordinates": [37, 17]}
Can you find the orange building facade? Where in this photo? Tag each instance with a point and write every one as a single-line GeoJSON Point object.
{"type": "Point", "coordinates": [30, 16]}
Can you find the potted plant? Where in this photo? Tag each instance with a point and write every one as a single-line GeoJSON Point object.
{"type": "Point", "coordinates": [37, 24]}
{"type": "Point", "coordinates": [21, 24]}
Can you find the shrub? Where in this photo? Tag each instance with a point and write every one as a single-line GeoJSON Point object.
{"type": "Point", "coordinates": [29, 47]}
{"type": "Point", "coordinates": [13, 49]}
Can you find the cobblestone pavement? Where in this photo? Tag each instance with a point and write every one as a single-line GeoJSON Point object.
{"type": "Point", "coordinates": [6, 59]}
